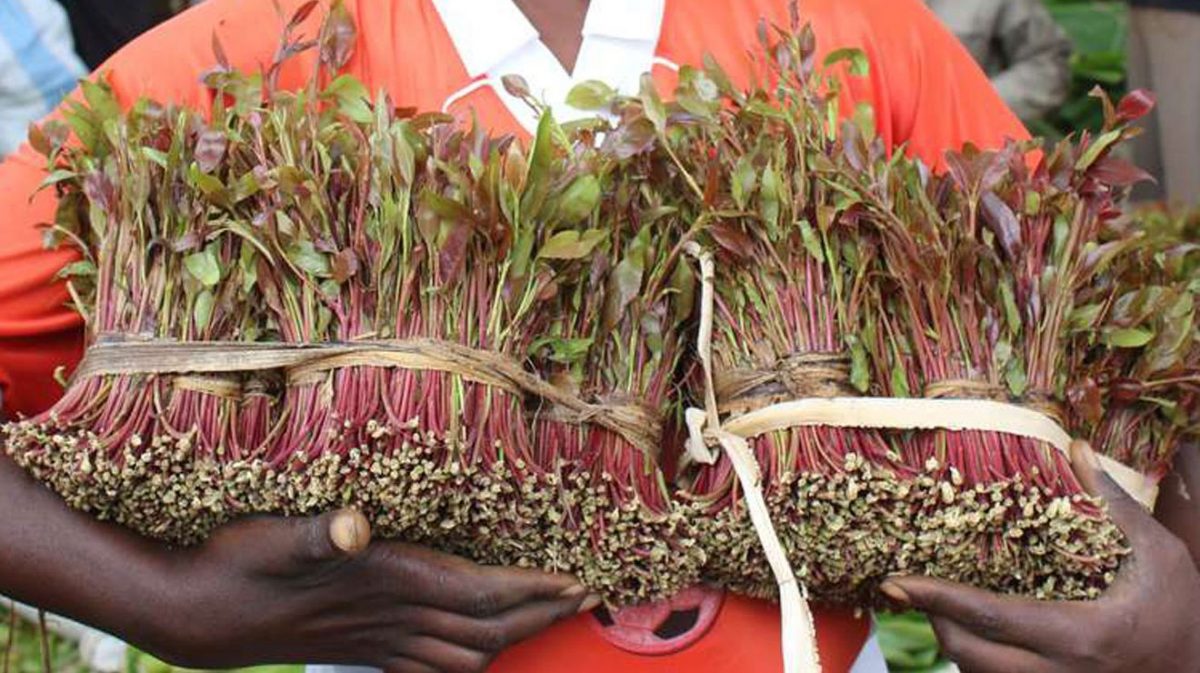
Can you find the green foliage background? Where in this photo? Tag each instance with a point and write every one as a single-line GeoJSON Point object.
{"type": "Point", "coordinates": [1099, 31]}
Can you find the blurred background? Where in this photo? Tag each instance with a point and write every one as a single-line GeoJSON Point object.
{"type": "Point", "coordinates": [1044, 57]}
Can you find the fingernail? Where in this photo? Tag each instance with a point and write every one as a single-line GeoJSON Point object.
{"type": "Point", "coordinates": [573, 591]}
{"type": "Point", "coordinates": [896, 593]}
{"type": "Point", "coordinates": [590, 603]}
{"type": "Point", "coordinates": [1084, 451]}
{"type": "Point", "coordinates": [350, 531]}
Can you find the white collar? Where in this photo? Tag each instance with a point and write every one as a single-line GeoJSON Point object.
{"type": "Point", "coordinates": [494, 38]}
{"type": "Point", "coordinates": [485, 32]}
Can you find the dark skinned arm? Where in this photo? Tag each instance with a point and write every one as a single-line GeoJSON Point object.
{"type": "Point", "coordinates": [1178, 508]}
{"type": "Point", "coordinates": [1146, 622]}
{"type": "Point", "coordinates": [271, 590]}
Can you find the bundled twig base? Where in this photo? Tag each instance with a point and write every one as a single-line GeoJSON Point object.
{"type": "Point", "coordinates": [411, 485]}
{"type": "Point", "coordinates": [848, 530]}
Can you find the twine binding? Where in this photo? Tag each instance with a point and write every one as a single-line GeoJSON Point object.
{"type": "Point", "coordinates": [206, 367]}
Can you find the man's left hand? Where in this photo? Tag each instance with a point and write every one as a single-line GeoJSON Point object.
{"type": "Point", "coordinates": [1147, 622]}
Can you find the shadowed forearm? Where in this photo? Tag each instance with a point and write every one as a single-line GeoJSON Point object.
{"type": "Point", "coordinates": [1179, 500]}
{"type": "Point", "coordinates": [66, 562]}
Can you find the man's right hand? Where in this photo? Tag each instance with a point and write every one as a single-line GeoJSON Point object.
{"type": "Point", "coordinates": [315, 590]}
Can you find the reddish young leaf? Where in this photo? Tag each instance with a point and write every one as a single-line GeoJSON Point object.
{"type": "Point", "coordinates": [338, 36]}
{"type": "Point", "coordinates": [1085, 400]}
{"type": "Point", "coordinates": [301, 14]}
{"type": "Point", "coordinates": [516, 86]}
{"type": "Point", "coordinates": [733, 240]}
{"type": "Point", "coordinates": [219, 53]}
{"type": "Point", "coordinates": [1003, 222]}
{"type": "Point", "coordinates": [39, 141]}
{"type": "Point", "coordinates": [345, 265]}
{"type": "Point", "coordinates": [1115, 171]}
{"type": "Point", "coordinates": [1135, 105]}
{"type": "Point", "coordinates": [452, 253]}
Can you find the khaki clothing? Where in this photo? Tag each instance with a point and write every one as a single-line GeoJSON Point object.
{"type": "Point", "coordinates": [1164, 50]}
{"type": "Point", "coordinates": [1020, 46]}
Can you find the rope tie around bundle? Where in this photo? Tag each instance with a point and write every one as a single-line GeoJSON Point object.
{"type": "Point", "coordinates": [208, 368]}
{"type": "Point", "coordinates": [968, 389]}
{"type": "Point", "coordinates": [224, 387]}
{"type": "Point", "coordinates": [948, 405]}
{"type": "Point", "coordinates": [794, 376]}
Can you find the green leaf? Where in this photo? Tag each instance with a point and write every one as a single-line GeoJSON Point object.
{"type": "Point", "coordinates": [247, 186]}
{"type": "Point", "coordinates": [60, 175]}
{"type": "Point", "coordinates": [209, 185]}
{"type": "Point", "coordinates": [81, 269]}
{"type": "Point", "coordinates": [860, 375]}
{"type": "Point", "coordinates": [1016, 378]}
{"type": "Point", "coordinates": [860, 66]}
{"type": "Point", "coordinates": [580, 199]}
{"type": "Point", "coordinates": [812, 242]}
{"type": "Point", "coordinates": [1012, 315]}
{"type": "Point", "coordinates": [352, 97]}
{"type": "Point", "coordinates": [100, 98]}
{"type": "Point", "coordinates": [82, 123]}
{"type": "Point", "coordinates": [745, 180]}
{"type": "Point", "coordinates": [565, 351]}
{"type": "Point", "coordinates": [652, 102]}
{"type": "Point", "coordinates": [203, 310]}
{"type": "Point", "coordinates": [591, 95]}
{"type": "Point", "coordinates": [864, 119]}
{"type": "Point", "coordinates": [157, 156]}
{"type": "Point", "coordinates": [1097, 147]}
{"type": "Point", "coordinates": [900, 380]}
{"type": "Point", "coordinates": [306, 257]}
{"type": "Point", "coordinates": [1033, 203]}
{"type": "Point", "coordinates": [203, 267]}
{"type": "Point", "coordinates": [1085, 317]}
{"type": "Point", "coordinates": [571, 244]}
{"type": "Point", "coordinates": [247, 262]}
{"type": "Point", "coordinates": [1128, 338]}
{"type": "Point", "coordinates": [769, 200]}
{"type": "Point", "coordinates": [697, 92]}
{"type": "Point", "coordinates": [541, 159]}
{"type": "Point", "coordinates": [765, 109]}
{"type": "Point", "coordinates": [626, 281]}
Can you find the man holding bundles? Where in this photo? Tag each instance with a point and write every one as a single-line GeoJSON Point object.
{"type": "Point", "coordinates": [316, 591]}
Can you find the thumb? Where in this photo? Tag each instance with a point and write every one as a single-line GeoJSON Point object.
{"type": "Point", "coordinates": [1127, 513]}
{"type": "Point", "coordinates": [333, 536]}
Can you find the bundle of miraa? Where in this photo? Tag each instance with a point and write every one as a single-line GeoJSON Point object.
{"type": "Point", "coordinates": [842, 271]}
{"type": "Point", "coordinates": [308, 300]}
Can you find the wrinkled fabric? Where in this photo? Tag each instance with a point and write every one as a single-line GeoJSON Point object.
{"type": "Point", "coordinates": [1020, 46]}
{"type": "Point", "coordinates": [38, 66]}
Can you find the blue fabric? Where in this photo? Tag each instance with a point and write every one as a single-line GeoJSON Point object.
{"type": "Point", "coordinates": [53, 77]}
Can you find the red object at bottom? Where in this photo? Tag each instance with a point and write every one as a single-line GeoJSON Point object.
{"type": "Point", "coordinates": [744, 638]}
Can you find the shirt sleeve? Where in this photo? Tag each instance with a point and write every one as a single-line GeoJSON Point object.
{"type": "Point", "coordinates": [929, 94]}
{"type": "Point", "coordinates": [943, 98]}
{"type": "Point", "coordinates": [39, 332]}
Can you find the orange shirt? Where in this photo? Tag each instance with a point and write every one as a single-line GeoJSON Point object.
{"type": "Point", "coordinates": [927, 93]}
